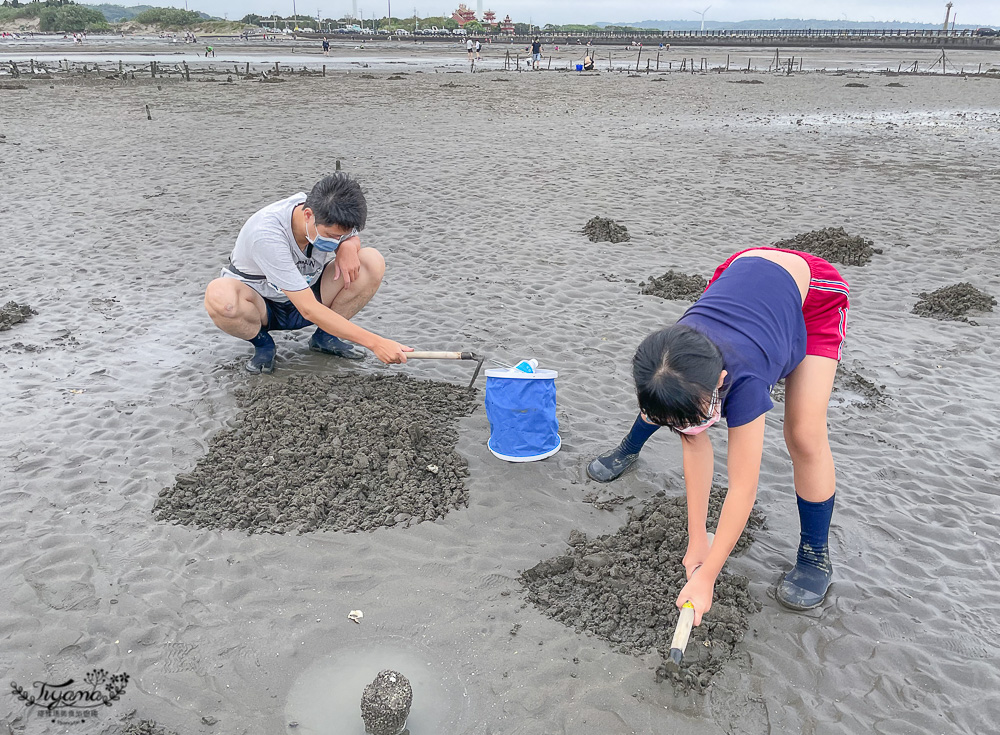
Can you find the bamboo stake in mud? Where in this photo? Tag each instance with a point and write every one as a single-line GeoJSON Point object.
{"type": "Point", "coordinates": [324, 70]}
{"type": "Point", "coordinates": [277, 71]}
{"type": "Point", "coordinates": [550, 63]}
{"type": "Point", "coordinates": [148, 115]}
{"type": "Point", "coordinates": [657, 61]}
{"type": "Point", "coordinates": [637, 58]}
{"type": "Point", "coordinates": [187, 72]}
{"type": "Point", "coordinates": [33, 66]}
{"type": "Point", "coordinates": [727, 62]}
{"type": "Point", "coordinates": [610, 66]}
{"type": "Point", "coordinates": [647, 66]}
{"type": "Point", "coordinates": [248, 69]}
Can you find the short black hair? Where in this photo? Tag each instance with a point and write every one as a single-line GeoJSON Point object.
{"type": "Point", "coordinates": [338, 200]}
{"type": "Point", "coordinates": [676, 370]}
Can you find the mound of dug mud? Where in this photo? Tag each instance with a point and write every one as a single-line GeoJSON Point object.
{"type": "Point", "coordinates": [856, 387]}
{"type": "Point", "coordinates": [623, 588]}
{"type": "Point", "coordinates": [13, 313]}
{"type": "Point", "coordinates": [833, 244]}
{"type": "Point", "coordinates": [599, 229]}
{"type": "Point", "coordinates": [952, 303]}
{"type": "Point", "coordinates": [335, 453]}
{"type": "Point", "coordinates": [675, 286]}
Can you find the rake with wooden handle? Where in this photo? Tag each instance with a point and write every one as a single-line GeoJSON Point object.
{"type": "Point", "coordinates": [450, 356]}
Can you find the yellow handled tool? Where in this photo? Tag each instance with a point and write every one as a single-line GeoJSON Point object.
{"type": "Point", "coordinates": [683, 630]}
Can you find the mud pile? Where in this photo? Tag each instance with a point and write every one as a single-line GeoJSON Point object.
{"type": "Point", "coordinates": [869, 393]}
{"type": "Point", "coordinates": [13, 313]}
{"type": "Point", "coordinates": [623, 589]}
{"type": "Point", "coordinates": [599, 229]}
{"type": "Point", "coordinates": [335, 453]}
{"type": "Point", "coordinates": [675, 286]}
{"type": "Point", "coordinates": [952, 303]}
{"type": "Point", "coordinates": [833, 244]}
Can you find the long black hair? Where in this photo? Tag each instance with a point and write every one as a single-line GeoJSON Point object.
{"type": "Point", "coordinates": [676, 369]}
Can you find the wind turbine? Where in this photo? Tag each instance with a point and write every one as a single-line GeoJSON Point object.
{"type": "Point", "coordinates": [702, 14]}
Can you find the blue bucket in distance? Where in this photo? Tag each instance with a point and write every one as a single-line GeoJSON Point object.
{"type": "Point", "coordinates": [521, 409]}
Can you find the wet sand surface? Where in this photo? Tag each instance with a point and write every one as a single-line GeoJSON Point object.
{"type": "Point", "coordinates": [477, 192]}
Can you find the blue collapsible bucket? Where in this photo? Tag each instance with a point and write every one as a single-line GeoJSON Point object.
{"type": "Point", "coordinates": [521, 409]}
{"type": "Point", "coordinates": [579, 67]}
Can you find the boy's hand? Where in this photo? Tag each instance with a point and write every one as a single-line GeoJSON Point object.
{"type": "Point", "coordinates": [699, 590]}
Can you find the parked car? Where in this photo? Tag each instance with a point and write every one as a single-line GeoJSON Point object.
{"type": "Point", "coordinates": [459, 31]}
{"type": "Point", "coordinates": [987, 32]}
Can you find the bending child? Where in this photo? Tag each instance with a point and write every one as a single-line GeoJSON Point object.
{"type": "Point", "coordinates": [767, 314]}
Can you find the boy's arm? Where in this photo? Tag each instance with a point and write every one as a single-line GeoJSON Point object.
{"type": "Point", "coordinates": [746, 445]}
{"type": "Point", "coordinates": [333, 323]}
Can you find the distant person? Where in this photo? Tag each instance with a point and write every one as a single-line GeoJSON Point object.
{"type": "Point", "coordinates": [588, 63]}
{"type": "Point", "coordinates": [209, 51]}
{"type": "Point", "coordinates": [470, 48]}
{"type": "Point", "coordinates": [479, 50]}
{"type": "Point", "coordinates": [326, 46]}
{"type": "Point", "coordinates": [299, 262]}
{"type": "Point", "coordinates": [536, 54]}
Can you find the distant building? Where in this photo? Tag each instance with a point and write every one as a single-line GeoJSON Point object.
{"type": "Point", "coordinates": [463, 15]}
{"type": "Point", "coordinates": [490, 18]}
{"type": "Point", "coordinates": [507, 26]}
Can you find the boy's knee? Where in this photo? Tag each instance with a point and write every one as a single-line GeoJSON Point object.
{"type": "Point", "coordinates": [373, 262]}
{"type": "Point", "coordinates": [220, 301]}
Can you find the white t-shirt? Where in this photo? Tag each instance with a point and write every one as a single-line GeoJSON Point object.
{"type": "Point", "coordinates": [266, 247]}
{"type": "Point", "coordinates": [468, 44]}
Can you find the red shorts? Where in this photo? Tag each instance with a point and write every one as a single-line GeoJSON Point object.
{"type": "Point", "coordinates": [825, 308]}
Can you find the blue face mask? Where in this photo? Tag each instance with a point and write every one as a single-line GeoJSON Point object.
{"type": "Point", "coordinates": [326, 244]}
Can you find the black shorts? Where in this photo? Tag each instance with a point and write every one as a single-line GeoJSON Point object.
{"type": "Point", "coordinates": [283, 316]}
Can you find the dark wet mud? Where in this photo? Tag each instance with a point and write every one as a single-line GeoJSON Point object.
{"type": "Point", "coordinates": [623, 589]}
{"type": "Point", "coordinates": [953, 303]}
{"type": "Point", "coordinates": [333, 453]}
{"type": "Point", "coordinates": [675, 286]}
{"type": "Point", "coordinates": [13, 313]}
{"type": "Point", "coordinates": [601, 229]}
{"type": "Point", "coordinates": [833, 244]}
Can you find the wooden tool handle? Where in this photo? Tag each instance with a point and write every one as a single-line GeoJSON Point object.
{"type": "Point", "coordinates": [433, 355]}
{"type": "Point", "coordinates": [683, 630]}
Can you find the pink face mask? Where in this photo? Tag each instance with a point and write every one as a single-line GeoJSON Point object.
{"type": "Point", "coordinates": [714, 414]}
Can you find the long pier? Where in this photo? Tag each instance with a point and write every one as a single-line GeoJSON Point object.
{"type": "Point", "coordinates": [847, 38]}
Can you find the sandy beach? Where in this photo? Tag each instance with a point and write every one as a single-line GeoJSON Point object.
{"type": "Point", "coordinates": [478, 188]}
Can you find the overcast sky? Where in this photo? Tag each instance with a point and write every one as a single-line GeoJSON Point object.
{"type": "Point", "coordinates": [590, 11]}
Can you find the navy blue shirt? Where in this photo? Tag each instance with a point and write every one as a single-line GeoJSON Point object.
{"type": "Point", "coordinates": [753, 314]}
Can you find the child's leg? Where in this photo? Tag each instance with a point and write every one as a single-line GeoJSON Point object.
{"type": "Point", "coordinates": [807, 394]}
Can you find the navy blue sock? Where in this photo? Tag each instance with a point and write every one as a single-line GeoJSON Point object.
{"type": "Point", "coordinates": [263, 339]}
{"type": "Point", "coordinates": [814, 552]}
{"type": "Point", "coordinates": [641, 431]}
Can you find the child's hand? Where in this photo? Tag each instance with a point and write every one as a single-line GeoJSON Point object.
{"type": "Point", "coordinates": [699, 591]}
{"type": "Point", "coordinates": [697, 552]}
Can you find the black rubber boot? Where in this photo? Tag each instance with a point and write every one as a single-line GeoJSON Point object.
{"type": "Point", "coordinates": [805, 586]}
{"type": "Point", "coordinates": [330, 345]}
{"type": "Point", "coordinates": [611, 465]}
{"type": "Point", "coordinates": [264, 352]}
